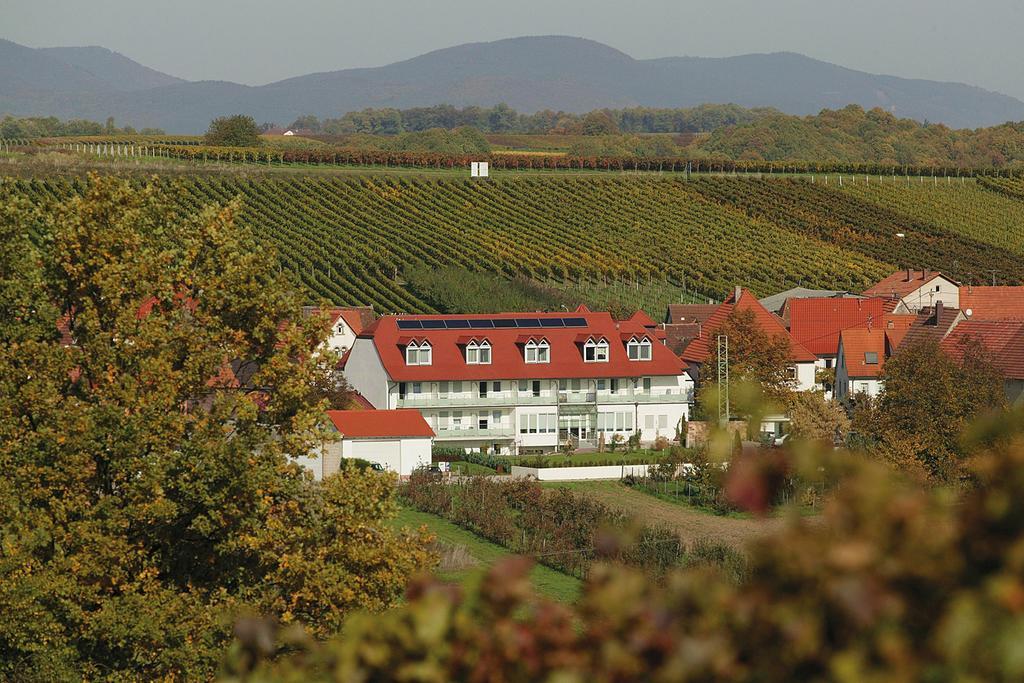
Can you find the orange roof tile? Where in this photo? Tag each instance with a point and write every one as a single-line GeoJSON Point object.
{"type": "Point", "coordinates": [380, 423]}
{"type": "Point", "coordinates": [817, 322]}
{"type": "Point", "coordinates": [857, 344]}
{"type": "Point", "coordinates": [1004, 340]}
{"type": "Point", "coordinates": [699, 350]}
{"type": "Point", "coordinates": [992, 303]}
{"type": "Point", "coordinates": [898, 285]}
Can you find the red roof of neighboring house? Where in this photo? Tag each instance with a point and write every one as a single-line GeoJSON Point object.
{"type": "Point", "coordinates": [507, 354]}
{"type": "Point", "coordinates": [357, 318]}
{"type": "Point", "coordinates": [932, 324]}
{"type": "Point", "coordinates": [370, 424]}
{"type": "Point", "coordinates": [1004, 340]}
{"type": "Point", "coordinates": [642, 318]}
{"type": "Point", "coordinates": [816, 323]}
{"type": "Point", "coordinates": [698, 350]}
{"type": "Point", "coordinates": [690, 313]}
{"type": "Point", "coordinates": [992, 303]}
{"type": "Point", "coordinates": [360, 400]}
{"type": "Point", "coordinates": [896, 328]}
{"type": "Point", "coordinates": [857, 344]}
{"type": "Point", "coordinates": [898, 285]}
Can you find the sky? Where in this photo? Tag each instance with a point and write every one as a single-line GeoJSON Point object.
{"type": "Point", "coordinates": [260, 41]}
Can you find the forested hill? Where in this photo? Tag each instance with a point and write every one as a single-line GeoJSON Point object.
{"type": "Point", "coordinates": [529, 74]}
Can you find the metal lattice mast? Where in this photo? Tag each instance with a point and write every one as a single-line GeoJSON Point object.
{"type": "Point", "coordinates": [723, 379]}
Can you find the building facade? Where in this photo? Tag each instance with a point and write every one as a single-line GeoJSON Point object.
{"type": "Point", "coordinates": [515, 383]}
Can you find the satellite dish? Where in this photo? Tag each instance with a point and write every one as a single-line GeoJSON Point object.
{"type": "Point", "coordinates": [969, 312]}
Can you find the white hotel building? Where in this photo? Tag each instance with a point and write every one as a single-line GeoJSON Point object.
{"type": "Point", "coordinates": [524, 382]}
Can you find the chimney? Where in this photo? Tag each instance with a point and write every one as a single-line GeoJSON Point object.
{"type": "Point", "coordinates": [736, 294]}
{"type": "Point", "coordinates": [924, 275]}
{"type": "Point", "coordinates": [938, 311]}
{"type": "Point", "coordinates": [908, 275]}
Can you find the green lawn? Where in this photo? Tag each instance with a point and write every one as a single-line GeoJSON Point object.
{"type": "Point", "coordinates": [547, 581]}
{"type": "Point", "coordinates": [471, 469]}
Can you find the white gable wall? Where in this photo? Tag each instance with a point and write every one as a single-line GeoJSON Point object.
{"type": "Point", "coordinates": [939, 288]}
{"type": "Point", "coordinates": [365, 373]}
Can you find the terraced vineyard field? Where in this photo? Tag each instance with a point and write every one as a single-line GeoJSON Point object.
{"type": "Point", "coordinates": [349, 239]}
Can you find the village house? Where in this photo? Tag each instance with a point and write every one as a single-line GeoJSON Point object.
{"type": "Point", "coordinates": [515, 383]}
{"type": "Point", "coordinates": [702, 348]}
{"type": "Point", "coordinates": [862, 352]}
{"type": "Point", "coordinates": [917, 289]}
{"type": "Point", "coordinates": [1003, 341]}
{"type": "Point", "coordinates": [398, 440]}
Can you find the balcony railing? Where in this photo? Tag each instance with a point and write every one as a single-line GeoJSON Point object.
{"type": "Point", "coordinates": [435, 400]}
{"type": "Point", "coordinates": [475, 433]}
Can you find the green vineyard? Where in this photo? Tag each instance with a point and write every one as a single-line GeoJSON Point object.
{"type": "Point", "coordinates": [640, 241]}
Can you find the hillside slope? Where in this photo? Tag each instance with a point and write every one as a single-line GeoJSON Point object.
{"type": "Point", "coordinates": [529, 74]}
{"type": "Point", "coordinates": [350, 239]}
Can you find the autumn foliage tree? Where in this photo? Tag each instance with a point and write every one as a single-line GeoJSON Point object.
{"type": "Point", "coordinates": [755, 357]}
{"type": "Point", "coordinates": [148, 496]}
{"type": "Point", "coordinates": [893, 582]}
{"type": "Point", "coordinates": [233, 131]}
{"type": "Point", "coordinates": [927, 401]}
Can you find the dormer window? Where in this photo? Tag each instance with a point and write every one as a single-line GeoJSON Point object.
{"type": "Point", "coordinates": [418, 354]}
{"type": "Point", "coordinates": [638, 349]}
{"type": "Point", "coordinates": [595, 351]}
{"type": "Point", "coordinates": [478, 353]}
{"type": "Point", "coordinates": [537, 352]}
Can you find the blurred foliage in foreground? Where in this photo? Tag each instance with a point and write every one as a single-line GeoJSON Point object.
{"type": "Point", "coordinates": [896, 582]}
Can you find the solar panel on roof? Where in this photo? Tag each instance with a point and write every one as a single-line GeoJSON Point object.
{"type": "Point", "coordinates": [458, 324]}
{"type": "Point", "coordinates": [481, 324]}
{"type": "Point", "coordinates": [527, 322]}
{"type": "Point", "coordinates": [551, 322]}
{"type": "Point", "coordinates": [575, 322]}
{"type": "Point", "coordinates": [410, 325]}
{"type": "Point", "coordinates": [433, 324]}
{"type": "Point", "coordinates": [504, 322]}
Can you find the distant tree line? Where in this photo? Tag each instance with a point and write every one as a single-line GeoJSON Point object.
{"type": "Point", "coordinates": [50, 127]}
{"type": "Point", "coordinates": [724, 132]}
{"type": "Point", "coordinates": [503, 119]}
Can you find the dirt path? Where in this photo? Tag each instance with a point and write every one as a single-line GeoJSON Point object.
{"type": "Point", "coordinates": [690, 524]}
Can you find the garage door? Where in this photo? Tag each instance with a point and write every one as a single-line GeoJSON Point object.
{"type": "Point", "coordinates": [386, 452]}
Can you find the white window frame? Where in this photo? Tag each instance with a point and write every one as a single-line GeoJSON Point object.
{"type": "Point", "coordinates": [418, 354]}
{"type": "Point", "coordinates": [639, 349]}
{"type": "Point", "coordinates": [595, 351]}
{"type": "Point", "coordinates": [537, 352]}
{"type": "Point", "coordinates": [478, 353]}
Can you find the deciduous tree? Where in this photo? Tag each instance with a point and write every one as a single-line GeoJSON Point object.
{"type": "Point", "coordinates": [233, 131]}
{"type": "Point", "coordinates": [148, 493]}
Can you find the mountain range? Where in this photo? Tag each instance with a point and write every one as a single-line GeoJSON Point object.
{"type": "Point", "coordinates": [528, 74]}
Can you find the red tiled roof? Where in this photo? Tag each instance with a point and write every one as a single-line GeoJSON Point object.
{"type": "Point", "coordinates": [1004, 340]}
{"type": "Point", "coordinates": [932, 324]}
{"type": "Point", "coordinates": [816, 323]}
{"type": "Point", "coordinates": [358, 318]}
{"type": "Point", "coordinates": [993, 303]}
{"type": "Point", "coordinates": [859, 341]}
{"type": "Point", "coordinates": [690, 313]}
{"type": "Point", "coordinates": [896, 328]}
{"type": "Point", "coordinates": [380, 423]}
{"type": "Point", "coordinates": [642, 318]}
{"type": "Point", "coordinates": [898, 285]}
{"type": "Point", "coordinates": [507, 356]}
{"type": "Point", "coordinates": [361, 401]}
{"type": "Point", "coordinates": [699, 350]}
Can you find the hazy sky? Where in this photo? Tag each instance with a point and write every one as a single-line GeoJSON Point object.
{"type": "Point", "coordinates": [258, 41]}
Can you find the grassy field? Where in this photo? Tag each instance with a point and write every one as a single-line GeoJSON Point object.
{"type": "Point", "coordinates": [547, 581]}
{"type": "Point", "coordinates": [692, 524]}
{"type": "Point", "coordinates": [471, 469]}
